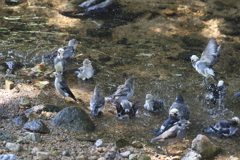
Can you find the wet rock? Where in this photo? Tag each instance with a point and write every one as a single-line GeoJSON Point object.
{"type": "Point", "coordinates": [5, 136]}
{"type": "Point", "coordinates": [14, 147]}
{"type": "Point", "coordinates": [36, 126]}
{"type": "Point", "coordinates": [121, 143]}
{"type": "Point", "coordinates": [74, 119]}
{"type": "Point", "coordinates": [9, 84]}
{"type": "Point", "coordinates": [125, 154]}
{"type": "Point", "coordinates": [192, 156]}
{"type": "Point", "coordinates": [45, 107]}
{"type": "Point", "coordinates": [137, 144]}
{"type": "Point", "coordinates": [202, 145]}
{"type": "Point", "coordinates": [21, 120]}
{"type": "Point", "coordinates": [36, 137]}
{"type": "Point", "coordinates": [65, 153]}
{"type": "Point", "coordinates": [144, 157]}
{"type": "Point", "coordinates": [42, 155]}
{"type": "Point", "coordinates": [133, 157]}
{"type": "Point", "coordinates": [8, 157]}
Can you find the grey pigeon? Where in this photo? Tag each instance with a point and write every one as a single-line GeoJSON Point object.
{"type": "Point", "coordinates": [207, 60]}
{"type": "Point", "coordinates": [124, 91]}
{"type": "Point", "coordinates": [177, 132]}
{"type": "Point", "coordinates": [151, 104]}
{"type": "Point", "coordinates": [86, 71]}
{"type": "Point", "coordinates": [69, 51]}
{"type": "Point", "coordinates": [97, 102]}
{"type": "Point", "coordinates": [224, 128]}
{"type": "Point", "coordinates": [62, 87]}
{"type": "Point", "coordinates": [126, 109]}
{"type": "Point", "coordinates": [97, 6]}
{"type": "Point", "coordinates": [181, 107]}
{"type": "Point", "coordinates": [59, 61]}
{"type": "Point", "coordinates": [171, 121]}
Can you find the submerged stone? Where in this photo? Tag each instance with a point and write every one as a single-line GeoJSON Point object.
{"type": "Point", "coordinates": [74, 119]}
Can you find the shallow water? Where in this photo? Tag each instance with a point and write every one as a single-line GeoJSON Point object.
{"type": "Point", "coordinates": [152, 47]}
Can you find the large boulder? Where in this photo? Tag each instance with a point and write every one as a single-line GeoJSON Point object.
{"type": "Point", "coordinates": [202, 145]}
{"type": "Point", "coordinates": [73, 119]}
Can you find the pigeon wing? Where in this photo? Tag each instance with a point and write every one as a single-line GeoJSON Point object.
{"type": "Point", "coordinates": [65, 88]}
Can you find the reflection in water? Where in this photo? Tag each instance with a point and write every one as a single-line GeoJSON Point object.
{"type": "Point", "coordinates": [152, 46]}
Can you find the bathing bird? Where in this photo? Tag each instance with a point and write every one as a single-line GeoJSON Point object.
{"type": "Point", "coordinates": [126, 109]}
{"type": "Point", "coordinates": [217, 92]}
{"type": "Point", "coordinates": [96, 6]}
{"type": "Point", "coordinates": [97, 102]}
{"type": "Point", "coordinates": [208, 59]}
{"type": "Point", "coordinates": [59, 61]}
{"type": "Point", "coordinates": [86, 71]}
{"type": "Point", "coordinates": [171, 121]}
{"type": "Point", "coordinates": [69, 51]}
{"type": "Point", "coordinates": [62, 87]}
{"type": "Point", "coordinates": [124, 91]}
{"type": "Point", "coordinates": [181, 107]}
{"type": "Point", "coordinates": [176, 132]}
{"type": "Point", "coordinates": [151, 104]}
{"type": "Point", "coordinates": [224, 128]}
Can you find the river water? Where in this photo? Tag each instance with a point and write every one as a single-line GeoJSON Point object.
{"type": "Point", "coordinates": [151, 41]}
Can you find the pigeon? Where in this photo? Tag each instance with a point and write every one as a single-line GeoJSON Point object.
{"type": "Point", "coordinates": [236, 95]}
{"type": "Point", "coordinates": [177, 132]}
{"type": "Point", "coordinates": [97, 102]}
{"type": "Point", "coordinates": [224, 128]}
{"type": "Point", "coordinates": [62, 87]}
{"type": "Point", "coordinates": [124, 91]}
{"type": "Point", "coordinates": [69, 51]}
{"type": "Point", "coordinates": [86, 71]}
{"type": "Point", "coordinates": [181, 107]}
{"type": "Point", "coordinates": [217, 92]}
{"type": "Point", "coordinates": [207, 60]}
{"type": "Point", "coordinates": [97, 6]}
{"type": "Point", "coordinates": [171, 121]}
{"type": "Point", "coordinates": [151, 104]}
{"type": "Point", "coordinates": [126, 109]}
{"type": "Point", "coordinates": [59, 61]}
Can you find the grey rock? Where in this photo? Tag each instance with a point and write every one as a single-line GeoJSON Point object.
{"type": "Point", "coordinates": [21, 120]}
{"type": "Point", "coordinates": [191, 156]}
{"type": "Point", "coordinates": [74, 119]}
{"type": "Point", "coordinates": [202, 145]}
{"type": "Point", "coordinates": [43, 155]}
{"type": "Point", "coordinates": [45, 107]}
{"type": "Point", "coordinates": [14, 147]}
{"type": "Point", "coordinates": [144, 157]}
{"type": "Point", "coordinates": [125, 154]}
{"type": "Point", "coordinates": [36, 137]}
{"type": "Point", "coordinates": [8, 157]}
{"type": "Point", "coordinates": [133, 157]}
{"type": "Point", "coordinates": [36, 126]}
{"type": "Point", "coordinates": [5, 136]}
{"type": "Point", "coordinates": [65, 153]}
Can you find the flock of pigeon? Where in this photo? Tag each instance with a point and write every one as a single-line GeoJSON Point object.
{"type": "Point", "coordinates": [176, 125]}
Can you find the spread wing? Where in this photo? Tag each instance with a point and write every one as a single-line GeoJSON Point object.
{"type": "Point", "coordinates": [210, 53]}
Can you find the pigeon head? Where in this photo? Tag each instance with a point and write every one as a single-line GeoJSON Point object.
{"type": "Point", "coordinates": [235, 120]}
{"type": "Point", "coordinates": [179, 98]}
{"type": "Point", "coordinates": [129, 81]}
{"type": "Point", "coordinates": [72, 42]}
{"type": "Point", "coordinates": [183, 123]}
{"type": "Point", "coordinates": [149, 97]}
{"type": "Point", "coordinates": [57, 74]}
{"type": "Point", "coordinates": [86, 62]}
{"type": "Point", "coordinates": [220, 83]}
{"type": "Point", "coordinates": [174, 112]}
{"type": "Point", "coordinates": [194, 58]}
{"type": "Point", "coordinates": [60, 52]}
